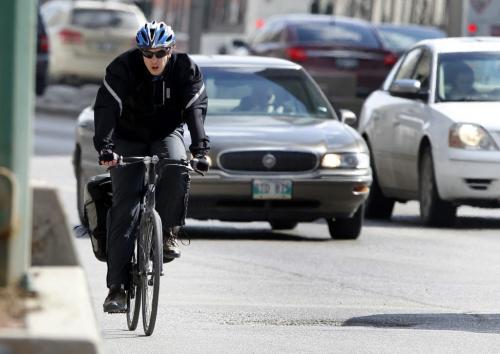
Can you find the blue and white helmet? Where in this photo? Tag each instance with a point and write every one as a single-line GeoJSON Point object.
{"type": "Point", "coordinates": [155, 35]}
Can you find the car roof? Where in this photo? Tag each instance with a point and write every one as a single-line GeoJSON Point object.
{"type": "Point", "coordinates": [91, 4]}
{"type": "Point", "coordinates": [235, 60]}
{"type": "Point", "coordinates": [105, 5]}
{"type": "Point", "coordinates": [409, 28]}
{"type": "Point", "coordinates": [462, 44]}
{"type": "Point", "coordinates": [303, 18]}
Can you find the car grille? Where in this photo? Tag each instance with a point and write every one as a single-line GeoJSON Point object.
{"type": "Point", "coordinates": [268, 161]}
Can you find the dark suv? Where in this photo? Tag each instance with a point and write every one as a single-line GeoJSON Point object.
{"type": "Point", "coordinates": [42, 57]}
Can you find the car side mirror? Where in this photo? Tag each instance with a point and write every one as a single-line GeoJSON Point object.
{"type": "Point", "coordinates": [239, 43]}
{"type": "Point", "coordinates": [348, 117]}
{"type": "Point", "coordinates": [408, 88]}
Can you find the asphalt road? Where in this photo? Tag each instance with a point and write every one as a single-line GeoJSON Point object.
{"type": "Point", "coordinates": [241, 288]}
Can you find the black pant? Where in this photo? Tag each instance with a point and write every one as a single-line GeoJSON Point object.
{"type": "Point", "coordinates": [127, 182]}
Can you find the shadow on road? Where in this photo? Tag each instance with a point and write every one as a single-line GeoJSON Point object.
{"type": "Point", "coordinates": [467, 322]}
{"type": "Point", "coordinates": [110, 334]}
{"type": "Point", "coordinates": [234, 233]}
{"type": "Point", "coordinates": [462, 222]}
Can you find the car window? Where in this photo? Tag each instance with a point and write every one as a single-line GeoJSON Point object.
{"type": "Point", "coordinates": [399, 39]}
{"type": "Point", "coordinates": [264, 33]}
{"type": "Point", "coordinates": [275, 34]}
{"type": "Point", "coordinates": [336, 33]}
{"type": "Point", "coordinates": [256, 91]}
{"type": "Point", "coordinates": [422, 72]}
{"type": "Point", "coordinates": [97, 18]}
{"type": "Point", "coordinates": [468, 77]}
{"type": "Point", "coordinates": [408, 65]}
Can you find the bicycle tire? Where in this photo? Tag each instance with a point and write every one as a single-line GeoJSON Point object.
{"type": "Point", "coordinates": [152, 261]}
{"type": "Point", "coordinates": [134, 295]}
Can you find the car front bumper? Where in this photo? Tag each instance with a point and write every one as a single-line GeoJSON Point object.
{"type": "Point", "coordinates": [230, 199]}
{"type": "Point", "coordinates": [470, 177]}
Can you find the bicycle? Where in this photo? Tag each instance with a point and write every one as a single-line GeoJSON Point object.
{"type": "Point", "coordinates": [147, 259]}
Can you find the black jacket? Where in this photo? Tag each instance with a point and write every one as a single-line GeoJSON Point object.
{"type": "Point", "coordinates": [131, 104]}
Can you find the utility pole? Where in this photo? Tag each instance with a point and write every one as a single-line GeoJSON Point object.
{"type": "Point", "coordinates": [17, 64]}
{"type": "Point", "coordinates": [196, 25]}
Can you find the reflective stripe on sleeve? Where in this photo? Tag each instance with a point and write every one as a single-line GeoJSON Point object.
{"type": "Point", "coordinates": [193, 100]}
{"type": "Point", "coordinates": [113, 93]}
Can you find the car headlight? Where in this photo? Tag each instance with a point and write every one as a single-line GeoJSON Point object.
{"type": "Point", "coordinates": [346, 160]}
{"type": "Point", "coordinates": [470, 137]}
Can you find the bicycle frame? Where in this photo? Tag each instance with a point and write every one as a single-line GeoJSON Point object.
{"type": "Point", "coordinates": [149, 224]}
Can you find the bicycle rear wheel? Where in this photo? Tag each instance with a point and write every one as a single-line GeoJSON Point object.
{"type": "Point", "coordinates": [151, 260]}
{"type": "Point", "coordinates": [134, 294]}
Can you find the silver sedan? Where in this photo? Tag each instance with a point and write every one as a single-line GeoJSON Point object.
{"type": "Point", "coordinates": [433, 130]}
{"type": "Point", "coordinates": [279, 151]}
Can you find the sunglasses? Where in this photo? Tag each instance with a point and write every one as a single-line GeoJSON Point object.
{"type": "Point", "coordinates": [159, 54]}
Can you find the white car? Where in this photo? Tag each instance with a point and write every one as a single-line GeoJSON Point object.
{"type": "Point", "coordinates": [86, 35]}
{"type": "Point", "coordinates": [434, 132]}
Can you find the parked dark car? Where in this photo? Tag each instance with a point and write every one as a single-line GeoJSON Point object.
{"type": "Point", "coordinates": [344, 55]}
{"type": "Point", "coordinates": [399, 38]}
{"type": "Point", "coordinates": [42, 57]}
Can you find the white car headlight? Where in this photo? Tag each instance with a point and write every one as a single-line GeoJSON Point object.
{"type": "Point", "coordinates": [347, 160]}
{"type": "Point", "coordinates": [470, 137]}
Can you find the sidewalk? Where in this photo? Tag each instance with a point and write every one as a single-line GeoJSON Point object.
{"type": "Point", "coordinates": [65, 99]}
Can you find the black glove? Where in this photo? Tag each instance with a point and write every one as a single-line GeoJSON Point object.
{"type": "Point", "coordinates": [200, 164]}
{"type": "Point", "coordinates": [106, 155]}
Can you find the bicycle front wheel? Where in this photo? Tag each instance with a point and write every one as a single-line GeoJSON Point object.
{"type": "Point", "coordinates": [151, 260]}
{"type": "Point", "coordinates": [134, 293]}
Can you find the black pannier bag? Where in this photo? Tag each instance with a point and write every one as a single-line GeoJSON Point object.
{"type": "Point", "coordinates": [97, 201]}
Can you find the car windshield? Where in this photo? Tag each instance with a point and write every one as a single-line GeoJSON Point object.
{"type": "Point", "coordinates": [400, 39]}
{"type": "Point", "coordinates": [336, 33]}
{"type": "Point", "coordinates": [468, 77]}
{"type": "Point", "coordinates": [256, 91]}
{"type": "Point", "coordinates": [97, 18]}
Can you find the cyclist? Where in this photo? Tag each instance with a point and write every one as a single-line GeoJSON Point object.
{"type": "Point", "coordinates": [147, 95]}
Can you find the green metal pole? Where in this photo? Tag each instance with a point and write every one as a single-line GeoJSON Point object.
{"type": "Point", "coordinates": [17, 59]}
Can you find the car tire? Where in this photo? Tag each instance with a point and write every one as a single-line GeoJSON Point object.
{"type": "Point", "coordinates": [378, 206]}
{"type": "Point", "coordinates": [283, 225]}
{"type": "Point", "coordinates": [433, 210]}
{"type": "Point", "coordinates": [347, 228]}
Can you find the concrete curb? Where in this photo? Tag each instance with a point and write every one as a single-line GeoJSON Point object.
{"type": "Point", "coordinates": [51, 241]}
{"type": "Point", "coordinates": [59, 318]}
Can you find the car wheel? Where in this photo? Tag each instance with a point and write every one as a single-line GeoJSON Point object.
{"type": "Point", "coordinates": [346, 228]}
{"type": "Point", "coordinates": [283, 225]}
{"type": "Point", "coordinates": [377, 205]}
{"type": "Point", "coordinates": [433, 210]}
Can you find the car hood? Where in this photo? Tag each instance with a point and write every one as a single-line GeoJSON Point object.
{"type": "Point", "coordinates": [265, 132]}
{"type": "Point", "coordinates": [247, 132]}
{"type": "Point", "coordinates": [483, 113]}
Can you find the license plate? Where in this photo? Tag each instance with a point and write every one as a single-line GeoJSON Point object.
{"type": "Point", "coordinates": [346, 63]}
{"type": "Point", "coordinates": [106, 46]}
{"type": "Point", "coordinates": [271, 189]}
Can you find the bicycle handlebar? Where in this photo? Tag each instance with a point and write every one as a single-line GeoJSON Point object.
{"type": "Point", "coordinates": [166, 162]}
